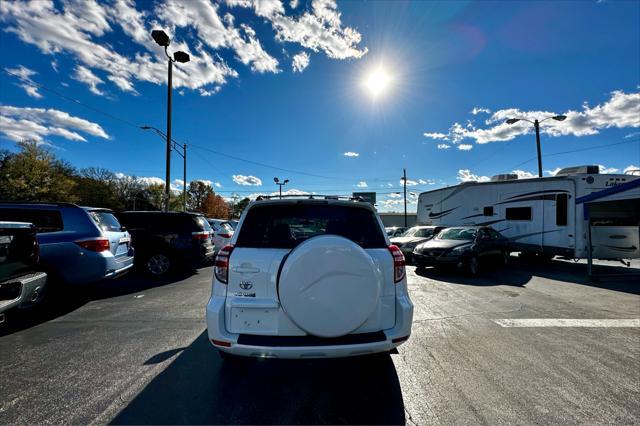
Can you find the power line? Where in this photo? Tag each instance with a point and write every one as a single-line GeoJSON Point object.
{"type": "Point", "coordinates": [576, 150]}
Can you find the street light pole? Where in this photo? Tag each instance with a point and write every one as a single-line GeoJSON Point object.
{"type": "Point", "coordinates": [280, 184]}
{"type": "Point", "coordinates": [167, 182]}
{"type": "Point", "coordinates": [162, 39]}
{"type": "Point", "coordinates": [184, 177]}
{"type": "Point", "coordinates": [536, 125]}
{"type": "Point", "coordinates": [404, 180]}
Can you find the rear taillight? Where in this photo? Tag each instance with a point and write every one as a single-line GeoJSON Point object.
{"type": "Point", "coordinates": [203, 235]}
{"type": "Point", "coordinates": [222, 264]}
{"type": "Point", "coordinates": [398, 263]}
{"type": "Point", "coordinates": [97, 245]}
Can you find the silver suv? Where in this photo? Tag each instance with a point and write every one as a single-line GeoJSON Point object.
{"type": "Point", "coordinates": [309, 278]}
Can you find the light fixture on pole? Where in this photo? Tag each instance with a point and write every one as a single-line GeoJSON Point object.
{"type": "Point", "coordinates": [174, 146]}
{"type": "Point", "coordinates": [280, 184]}
{"type": "Point", "coordinates": [162, 39]}
{"type": "Point", "coordinates": [536, 125]}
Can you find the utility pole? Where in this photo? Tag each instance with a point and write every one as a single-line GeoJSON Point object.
{"type": "Point", "coordinates": [184, 177]}
{"type": "Point", "coordinates": [536, 124]}
{"type": "Point", "coordinates": [280, 184]}
{"type": "Point", "coordinates": [404, 180]}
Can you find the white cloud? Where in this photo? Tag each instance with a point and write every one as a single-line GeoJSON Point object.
{"type": "Point", "coordinates": [76, 28]}
{"type": "Point", "coordinates": [426, 182]}
{"type": "Point", "coordinates": [436, 135]}
{"type": "Point", "coordinates": [553, 172]}
{"type": "Point", "coordinates": [351, 154]}
{"type": "Point", "coordinates": [443, 146]}
{"type": "Point", "coordinates": [300, 61]}
{"type": "Point", "coordinates": [292, 191]}
{"type": "Point", "coordinates": [217, 184]}
{"type": "Point", "coordinates": [177, 183]}
{"type": "Point", "coordinates": [465, 147]}
{"type": "Point", "coordinates": [632, 135]}
{"type": "Point", "coordinates": [24, 74]}
{"type": "Point", "coordinates": [630, 168]}
{"type": "Point", "coordinates": [362, 184]}
{"type": "Point", "coordinates": [247, 180]}
{"type": "Point", "coordinates": [607, 170]}
{"type": "Point", "coordinates": [523, 174]}
{"type": "Point", "coordinates": [465, 175]}
{"type": "Point", "coordinates": [476, 111]}
{"type": "Point", "coordinates": [409, 182]}
{"type": "Point", "coordinates": [18, 124]}
{"type": "Point", "coordinates": [293, 4]}
{"type": "Point", "coordinates": [84, 75]}
{"type": "Point", "coordinates": [150, 180]}
{"type": "Point", "coordinates": [621, 110]}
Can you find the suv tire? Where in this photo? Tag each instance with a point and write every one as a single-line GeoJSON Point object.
{"type": "Point", "coordinates": [158, 264]}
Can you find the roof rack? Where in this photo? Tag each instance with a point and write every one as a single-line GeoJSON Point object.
{"type": "Point", "coordinates": [310, 197]}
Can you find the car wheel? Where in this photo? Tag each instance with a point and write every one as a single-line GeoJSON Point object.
{"type": "Point", "coordinates": [473, 265]}
{"type": "Point", "coordinates": [158, 264]}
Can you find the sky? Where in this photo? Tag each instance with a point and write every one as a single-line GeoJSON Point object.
{"type": "Point", "coordinates": [337, 97]}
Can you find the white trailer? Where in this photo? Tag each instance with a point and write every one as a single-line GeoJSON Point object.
{"type": "Point", "coordinates": [548, 216]}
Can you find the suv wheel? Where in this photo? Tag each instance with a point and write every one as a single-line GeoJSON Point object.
{"type": "Point", "coordinates": [158, 264]}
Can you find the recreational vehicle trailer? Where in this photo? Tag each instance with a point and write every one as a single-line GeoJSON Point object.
{"type": "Point", "coordinates": [548, 216]}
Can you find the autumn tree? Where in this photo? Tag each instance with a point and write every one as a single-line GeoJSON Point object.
{"type": "Point", "coordinates": [35, 174]}
{"type": "Point", "coordinates": [197, 193]}
{"type": "Point", "coordinates": [214, 206]}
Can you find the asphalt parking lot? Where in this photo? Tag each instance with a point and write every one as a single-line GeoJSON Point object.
{"type": "Point", "coordinates": [134, 351]}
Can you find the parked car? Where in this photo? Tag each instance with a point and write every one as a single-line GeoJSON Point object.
{"type": "Point", "coordinates": [395, 231]}
{"type": "Point", "coordinates": [338, 291]}
{"type": "Point", "coordinates": [222, 232]}
{"type": "Point", "coordinates": [414, 236]}
{"type": "Point", "coordinates": [469, 247]}
{"type": "Point", "coordinates": [78, 245]}
{"type": "Point", "coordinates": [21, 283]}
{"type": "Point", "coordinates": [166, 240]}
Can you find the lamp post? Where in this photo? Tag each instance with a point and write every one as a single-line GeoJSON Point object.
{"type": "Point", "coordinates": [162, 39]}
{"type": "Point", "coordinates": [536, 125]}
{"type": "Point", "coordinates": [173, 145]}
{"type": "Point", "coordinates": [404, 181]}
{"type": "Point", "coordinates": [280, 184]}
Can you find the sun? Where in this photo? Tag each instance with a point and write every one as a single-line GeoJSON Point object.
{"type": "Point", "coordinates": [377, 82]}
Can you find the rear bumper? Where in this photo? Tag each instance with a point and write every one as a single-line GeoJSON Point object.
{"type": "Point", "coordinates": [22, 290]}
{"type": "Point", "coordinates": [383, 341]}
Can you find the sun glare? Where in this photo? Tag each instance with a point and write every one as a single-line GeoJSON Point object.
{"type": "Point", "coordinates": [377, 82]}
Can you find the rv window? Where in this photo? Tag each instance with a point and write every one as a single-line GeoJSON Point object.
{"type": "Point", "coordinates": [518, 213]}
{"type": "Point", "coordinates": [561, 209]}
{"type": "Point", "coordinates": [488, 211]}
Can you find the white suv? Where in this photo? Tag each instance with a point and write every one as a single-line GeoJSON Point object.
{"type": "Point", "coordinates": [309, 278]}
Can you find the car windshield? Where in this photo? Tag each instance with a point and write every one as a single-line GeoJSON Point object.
{"type": "Point", "coordinates": [465, 234]}
{"type": "Point", "coordinates": [106, 221]}
{"type": "Point", "coordinates": [419, 232]}
{"type": "Point", "coordinates": [286, 226]}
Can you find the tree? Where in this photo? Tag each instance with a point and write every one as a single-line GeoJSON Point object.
{"type": "Point", "coordinates": [35, 174]}
{"type": "Point", "coordinates": [97, 188]}
{"type": "Point", "coordinates": [238, 208]}
{"type": "Point", "coordinates": [196, 195]}
{"type": "Point", "coordinates": [214, 206]}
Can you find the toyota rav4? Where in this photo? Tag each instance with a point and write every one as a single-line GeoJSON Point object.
{"type": "Point", "coordinates": [309, 278]}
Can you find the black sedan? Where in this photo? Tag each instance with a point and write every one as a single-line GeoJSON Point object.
{"type": "Point", "coordinates": [464, 247]}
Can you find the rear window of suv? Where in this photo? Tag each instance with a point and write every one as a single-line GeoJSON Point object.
{"type": "Point", "coordinates": [106, 221]}
{"type": "Point", "coordinates": [286, 226]}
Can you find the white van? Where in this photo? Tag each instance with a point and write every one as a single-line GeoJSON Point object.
{"type": "Point", "coordinates": [309, 278]}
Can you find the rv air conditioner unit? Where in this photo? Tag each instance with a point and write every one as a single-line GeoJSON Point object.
{"type": "Point", "coordinates": [594, 170]}
{"type": "Point", "coordinates": [504, 177]}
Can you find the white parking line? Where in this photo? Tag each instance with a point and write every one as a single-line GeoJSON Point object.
{"type": "Point", "coordinates": [566, 322]}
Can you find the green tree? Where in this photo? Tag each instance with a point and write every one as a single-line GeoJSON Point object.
{"type": "Point", "coordinates": [35, 174]}
{"type": "Point", "coordinates": [197, 193]}
{"type": "Point", "coordinates": [238, 208]}
{"type": "Point", "coordinates": [97, 188]}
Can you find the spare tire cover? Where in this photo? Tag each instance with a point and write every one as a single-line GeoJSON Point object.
{"type": "Point", "coordinates": [329, 286]}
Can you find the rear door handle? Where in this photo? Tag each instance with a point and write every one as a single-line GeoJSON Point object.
{"type": "Point", "coordinates": [246, 270]}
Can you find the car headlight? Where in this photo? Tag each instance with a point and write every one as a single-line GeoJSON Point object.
{"type": "Point", "coordinates": [460, 250]}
